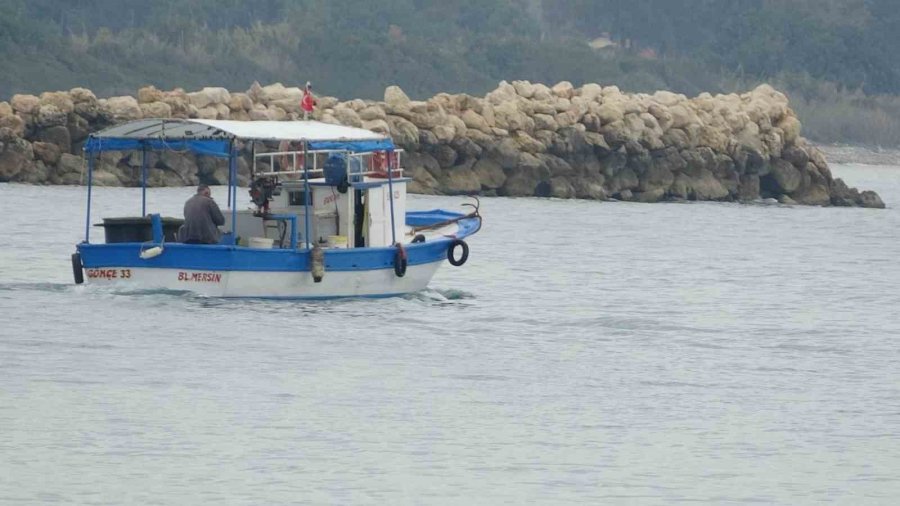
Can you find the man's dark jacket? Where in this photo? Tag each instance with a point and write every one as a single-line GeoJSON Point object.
{"type": "Point", "coordinates": [201, 215]}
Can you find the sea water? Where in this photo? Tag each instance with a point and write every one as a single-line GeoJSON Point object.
{"type": "Point", "coordinates": [588, 352]}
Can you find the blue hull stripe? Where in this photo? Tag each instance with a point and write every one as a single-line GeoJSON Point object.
{"type": "Point", "coordinates": [236, 258]}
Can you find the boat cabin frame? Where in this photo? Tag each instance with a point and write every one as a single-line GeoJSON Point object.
{"type": "Point", "coordinates": [305, 149]}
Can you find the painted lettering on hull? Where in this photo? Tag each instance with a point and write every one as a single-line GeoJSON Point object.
{"type": "Point", "coordinates": [200, 277]}
{"type": "Point", "coordinates": [108, 273]}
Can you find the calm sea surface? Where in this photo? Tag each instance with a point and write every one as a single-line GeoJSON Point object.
{"type": "Point", "coordinates": [588, 353]}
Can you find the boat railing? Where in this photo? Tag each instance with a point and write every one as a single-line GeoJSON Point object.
{"type": "Point", "coordinates": [371, 164]}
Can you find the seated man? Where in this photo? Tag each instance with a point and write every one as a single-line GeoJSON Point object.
{"type": "Point", "coordinates": [201, 219]}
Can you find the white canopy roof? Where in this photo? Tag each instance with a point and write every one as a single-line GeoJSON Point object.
{"type": "Point", "coordinates": [172, 129]}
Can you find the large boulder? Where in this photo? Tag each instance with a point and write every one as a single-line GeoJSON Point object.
{"type": "Point", "coordinates": [81, 95]}
{"type": "Point", "coordinates": [178, 102]}
{"type": "Point", "coordinates": [623, 180]}
{"type": "Point", "coordinates": [275, 113]}
{"type": "Point", "coordinates": [783, 178]}
{"type": "Point", "coordinates": [748, 188]}
{"type": "Point", "coordinates": [509, 117]}
{"type": "Point", "coordinates": [49, 115]}
{"type": "Point", "coordinates": [395, 99]}
{"type": "Point", "coordinates": [47, 152]}
{"type": "Point", "coordinates": [25, 104]}
{"type": "Point", "coordinates": [78, 127]}
{"type": "Point", "coordinates": [702, 186]}
{"type": "Point", "coordinates": [156, 110]}
{"type": "Point", "coordinates": [178, 169]}
{"type": "Point", "coordinates": [259, 113]}
{"type": "Point", "coordinates": [530, 178]}
{"type": "Point", "coordinates": [60, 99]}
{"type": "Point", "coordinates": [563, 89]}
{"type": "Point", "coordinates": [870, 199]}
{"type": "Point", "coordinates": [372, 113]}
{"type": "Point", "coordinates": [121, 109]}
{"type": "Point", "coordinates": [379, 126]}
{"type": "Point", "coordinates": [504, 92]}
{"type": "Point", "coordinates": [426, 162]}
{"type": "Point", "coordinates": [208, 112]}
{"type": "Point", "coordinates": [459, 181]}
{"type": "Point", "coordinates": [656, 177]}
{"type": "Point", "coordinates": [523, 88]}
{"type": "Point", "coordinates": [16, 157]}
{"type": "Point", "coordinates": [796, 155]}
{"type": "Point", "coordinates": [274, 92]}
{"type": "Point", "coordinates": [347, 116]}
{"type": "Point", "coordinates": [489, 173]}
{"type": "Point", "coordinates": [209, 97]}
{"type": "Point", "coordinates": [422, 181]}
{"type": "Point", "coordinates": [404, 133]}
{"type": "Point", "coordinates": [240, 102]}
{"type": "Point", "coordinates": [814, 194]}
{"type": "Point", "coordinates": [68, 170]}
{"type": "Point", "coordinates": [58, 135]}
{"type": "Point", "coordinates": [14, 123]}
{"type": "Point", "coordinates": [149, 94]}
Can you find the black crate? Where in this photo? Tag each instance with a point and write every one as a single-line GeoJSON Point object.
{"type": "Point", "coordinates": [138, 229]}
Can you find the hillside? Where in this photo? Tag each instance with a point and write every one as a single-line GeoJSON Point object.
{"type": "Point", "coordinates": [832, 57]}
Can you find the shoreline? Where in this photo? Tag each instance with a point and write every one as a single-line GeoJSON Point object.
{"type": "Point", "coordinates": [845, 154]}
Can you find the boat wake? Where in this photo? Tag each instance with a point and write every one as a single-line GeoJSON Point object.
{"type": "Point", "coordinates": [441, 295]}
{"type": "Point", "coordinates": [154, 292]}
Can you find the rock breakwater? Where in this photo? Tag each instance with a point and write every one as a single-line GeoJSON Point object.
{"type": "Point", "coordinates": [521, 139]}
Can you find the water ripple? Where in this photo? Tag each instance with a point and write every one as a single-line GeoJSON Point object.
{"type": "Point", "coordinates": [600, 353]}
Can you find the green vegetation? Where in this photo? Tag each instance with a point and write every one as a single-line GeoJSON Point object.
{"type": "Point", "coordinates": [834, 58]}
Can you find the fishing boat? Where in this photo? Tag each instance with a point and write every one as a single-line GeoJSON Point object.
{"type": "Point", "coordinates": [326, 216]}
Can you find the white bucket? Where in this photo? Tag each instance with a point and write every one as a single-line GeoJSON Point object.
{"type": "Point", "coordinates": [337, 241]}
{"type": "Point", "coordinates": [261, 242]}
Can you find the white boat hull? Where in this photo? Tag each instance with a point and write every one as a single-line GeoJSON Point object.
{"type": "Point", "coordinates": [263, 284]}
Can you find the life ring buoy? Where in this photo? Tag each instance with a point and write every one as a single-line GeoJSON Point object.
{"type": "Point", "coordinates": [77, 268]}
{"type": "Point", "coordinates": [378, 163]}
{"type": "Point", "coordinates": [381, 161]}
{"type": "Point", "coordinates": [286, 162]}
{"type": "Point", "coordinates": [451, 256]}
{"type": "Point", "coordinates": [400, 261]}
{"type": "Point", "coordinates": [418, 238]}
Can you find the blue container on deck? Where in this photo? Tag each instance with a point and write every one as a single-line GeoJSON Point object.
{"type": "Point", "coordinates": [335, 168]}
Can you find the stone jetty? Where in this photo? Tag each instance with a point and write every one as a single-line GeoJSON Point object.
{"type": "Point", "coordinates": [521, 139]}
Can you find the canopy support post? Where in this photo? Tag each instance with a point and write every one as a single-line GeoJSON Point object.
{"type": "Point", "coordinates": [390, 168]}
{"type": "Point", "coordinates": [307, 192]}
{"type": "Point", "coordinates": [143, 180]}
{"type": "Point", "coordinates": [230, 173]}
{"type": "Point", "coordinates": [87, 219]}
{"type": "Point", "coordinates": [232, 191]}
{"type": "Point", "coordinates": [253, 159]}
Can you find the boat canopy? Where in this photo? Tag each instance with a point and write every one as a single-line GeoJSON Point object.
{"type": "Point", "coordinates": [215, 137]}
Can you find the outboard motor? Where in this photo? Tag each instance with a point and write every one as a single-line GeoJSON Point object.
{"type": "Point", "coordinates": [261, 191]}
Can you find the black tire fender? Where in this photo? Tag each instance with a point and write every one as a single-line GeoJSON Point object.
{"type": "Point", "coordinates": [400, 261]}
{"type": "Point", "coordinates": [77, 268]}
{"type": "Point", "coordinates": [418, 238]}
{"type": "Point", "coordinates": [451, 256]}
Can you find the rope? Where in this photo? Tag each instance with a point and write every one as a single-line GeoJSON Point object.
{"type": "Point", "coordinates": [473, 214]}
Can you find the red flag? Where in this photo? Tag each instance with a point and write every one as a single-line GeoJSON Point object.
{"type": "Point", "coordinates": [308, 103]}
